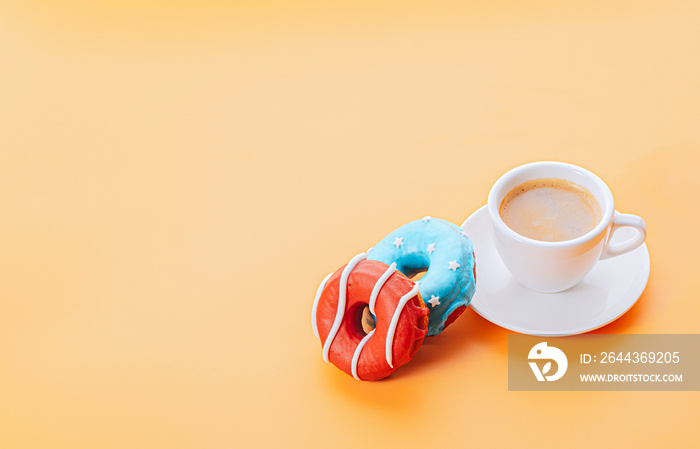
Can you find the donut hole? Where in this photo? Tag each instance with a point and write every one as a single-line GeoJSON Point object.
{"type": "Point", "coordinates": [416, 275]}
{"type": "Point", "coordinates": [414, 266]}
{"type": "Point", "coordinates": [360, 321]}
{"type": "Point", "coordinates": [368, 320]}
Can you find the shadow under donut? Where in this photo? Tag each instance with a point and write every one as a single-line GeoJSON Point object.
{"type": "Point", "coordinates": [468, 332]}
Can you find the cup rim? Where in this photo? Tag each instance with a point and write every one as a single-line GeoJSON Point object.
{"type": "Point", "coordinates": [493, 205]}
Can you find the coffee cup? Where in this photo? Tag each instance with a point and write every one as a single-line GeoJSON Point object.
{"type": "Point", "coordinates": [554, 266]}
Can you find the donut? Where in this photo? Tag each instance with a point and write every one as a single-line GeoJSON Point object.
{"type": "Point", "coordinates": [396, 307]}
{"type": "Point", "coordinates": [444, 251]}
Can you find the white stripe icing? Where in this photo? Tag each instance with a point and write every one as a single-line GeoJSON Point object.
{"type": "Point", "coordinates": [394, 322]}
{"type": "Point", "coordinates": [342, 297]}
{"type": "Point", "coordinates": [378, 286]}
{"type": "Point", "coordinates": [315, 307]}
{"type": "Point", "coordinates": [358, 351]}
{"type": "Point", "coordinates": [340, 311]}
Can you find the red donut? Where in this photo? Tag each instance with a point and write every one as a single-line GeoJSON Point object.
{"type": "Point", "coordinates": [401, 318]}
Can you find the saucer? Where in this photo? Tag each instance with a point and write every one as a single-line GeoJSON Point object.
{"type": "Point", "coordinates": [605, 294]}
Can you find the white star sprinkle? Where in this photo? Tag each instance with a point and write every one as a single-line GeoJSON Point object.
{"type": "Point", "coordinates": [426, 218]}
{"type": "Point", "coordinates": [431, 248]}
{"type": "Point", "coordinates": [398, 242]}
{"type": "Point", "coordinates": [453, 265]}
{"type": "Point", "coordinates": [434, 301]}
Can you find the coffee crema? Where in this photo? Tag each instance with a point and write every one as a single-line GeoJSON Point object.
{"type": "Point", "coordinates": [550, 210]}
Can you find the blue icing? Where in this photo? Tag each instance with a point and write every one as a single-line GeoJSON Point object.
{"type": "Point", "coordinates": [454, 287]}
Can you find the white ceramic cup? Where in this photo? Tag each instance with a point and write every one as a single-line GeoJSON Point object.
{"type": "Point", "coordinates": [550, 267]}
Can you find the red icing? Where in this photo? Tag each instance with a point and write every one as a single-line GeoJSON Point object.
{"type": "Point", "coordinates": [458, 311]}
{"type": "Point", "coordinates": [410, 331]}
{"type": "Point", "coordinates": [474, 269]}
{"type": "Point", "coordinates": [454, 315]}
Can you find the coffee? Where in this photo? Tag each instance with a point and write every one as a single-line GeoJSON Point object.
{"type": "Point", "coordinates": [550, 210]}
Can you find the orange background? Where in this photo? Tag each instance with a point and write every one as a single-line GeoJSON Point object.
{"type": "Point", "coordinates": [176, 180]}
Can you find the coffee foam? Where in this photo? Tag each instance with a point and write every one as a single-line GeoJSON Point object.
{"type": "Point", "coordinates": [550, 210]}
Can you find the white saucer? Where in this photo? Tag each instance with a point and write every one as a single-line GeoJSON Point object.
{"type": "Point", "coordinates": [606, 293]}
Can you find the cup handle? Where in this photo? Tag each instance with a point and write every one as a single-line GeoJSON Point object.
{"type": "Point", "coordinates": [620, 220]}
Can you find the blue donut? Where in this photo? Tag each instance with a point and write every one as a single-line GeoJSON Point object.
{"type": "Point", "coordinates": [445, 251]}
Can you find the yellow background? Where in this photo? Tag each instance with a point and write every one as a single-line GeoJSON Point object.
{"type": "Point", "coordinates": [176, 180]}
